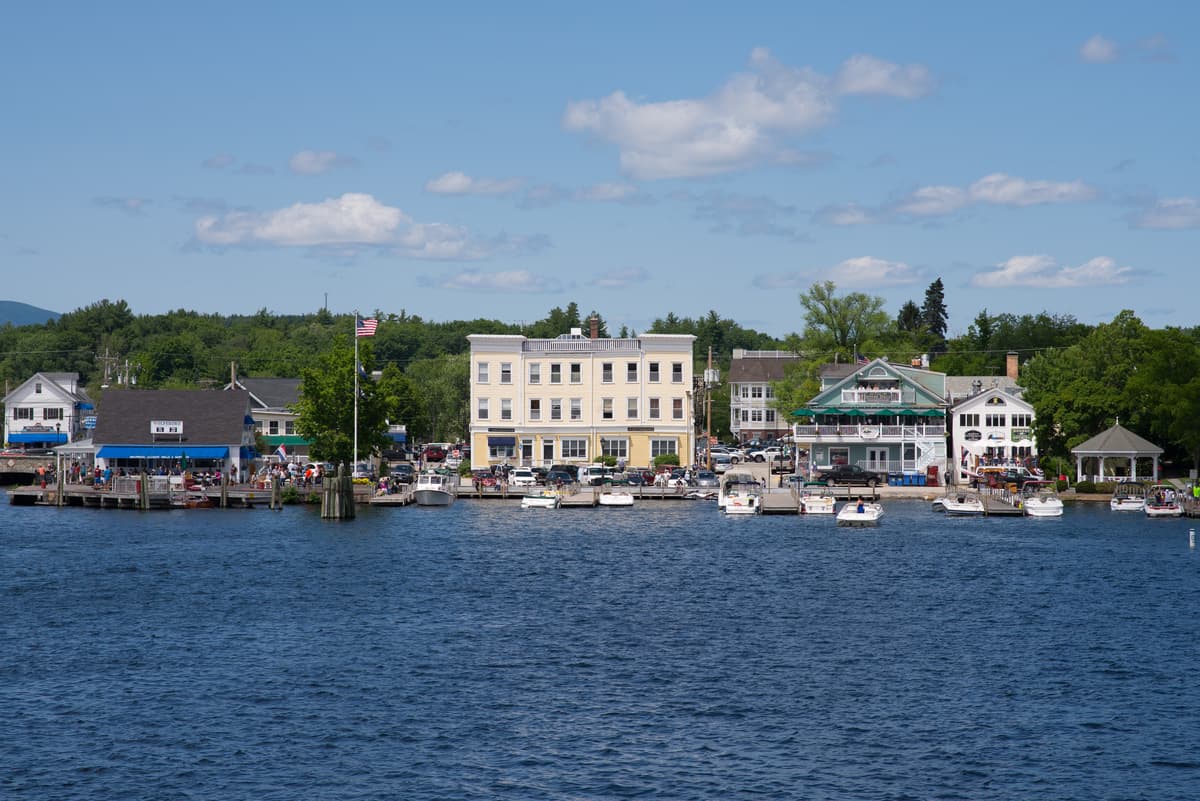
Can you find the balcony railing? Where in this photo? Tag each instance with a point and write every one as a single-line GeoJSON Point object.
{"type": "Point", "coordinates": [875, 397]}
{"type": "Point", "coordinates": [869, 432]}
{"type": "Point", "coordinates": [583, 345]}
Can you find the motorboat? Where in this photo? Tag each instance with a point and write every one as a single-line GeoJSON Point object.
{"type": "Point", "coordinates": [1130, 496]}
{"type": "Point", "coordinates": [816, 499]}
{"type": "Point", "coordinates": [860, 514]}
{"type": "Point", "coordinates": [962, 504]}
{"type": "Point", "coordinates": [541, 499]}
{"type": "Point", "coordinates": [1162, 500]}
{"type": "Point", "coordinates": [1040, 499]}
{"type": "Point", "coordinates": [741, 494]}
{"type": "Point", "coordinates": [616, 499]}
{"type": "Point", "coordinates": [435, 489]}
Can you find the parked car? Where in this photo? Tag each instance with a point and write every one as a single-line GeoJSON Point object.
{"type": "Point", "coordinates": [768, 454]}
{"type": "Point", "coordinates": [364, 470]}
{"type": "Point", "coordinates": [707, 478]}
{"type": "Point", "coordinates": [570, 469]}
{"type": "Point", "coordinates": [402, 473]}
{"type": "Point", "coordinates": [522, 477]}
{"type": "Point", "coordinates": [433, 453]}
{"type": "Point", "coordinates": [556, 477]}
{"type": "Point", "coordinates": [850, 474]}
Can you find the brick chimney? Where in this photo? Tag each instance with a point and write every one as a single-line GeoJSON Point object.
{"type": "Point", "coordinates": [1012, 367]}
{"type": "Point", "coordinates": [594, 322]}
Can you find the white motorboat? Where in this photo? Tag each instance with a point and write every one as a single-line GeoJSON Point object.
{"type": "Point", "coordinates": [1130, 496]}
{"type": "Point", "coordinates": [541, 499]}
{"type": "Point", "coordinates": [616, 499]}
{"type": "Point", "coordinates": [816, 499]}
{"type": "Point", "coordinates": [1040, 499]}
{"type": "Point", "coordinates": [1163, 501]}
{"type": "Point", "coordinates": [435, 489]}
{"type": "Point", "coordinates": [962, 504]}
{"type": "Point", "coordinates": [741, 494]}
{"type": "Point", "coordinates": [860, 514]}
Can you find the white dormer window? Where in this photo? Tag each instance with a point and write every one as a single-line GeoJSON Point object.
{"type": "Point", "coordinates": [37, 388]}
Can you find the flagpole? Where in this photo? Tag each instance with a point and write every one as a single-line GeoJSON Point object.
{"type": "Point", "coordinates": [355, 462]}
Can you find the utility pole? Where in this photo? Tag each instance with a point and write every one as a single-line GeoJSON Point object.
{"type": "Point", "coordinates": [711, 378]}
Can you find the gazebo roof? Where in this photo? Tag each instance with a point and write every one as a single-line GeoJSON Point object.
{"type": "Point", "coordinates": [1117, 441]}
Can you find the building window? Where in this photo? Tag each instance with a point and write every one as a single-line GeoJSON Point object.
{"type": "Point", "coordinates": [483, 408]}
{"type": "Point", "coordinates": [756, 415]}
{"type": "Point", "coordinates": [653, 369]}
{"type": "Point", "coordinates": [745, 415]}
{"type": "Point", "coordinates": [505, 372]}
{"type": "Point", "coordinates": [616, 448]}
{"type": "Point", "coordinates": [52, 414]}
{"type": "Point", "coordinates": [769, 392]}
{"type": "Point", "coordinates": [501, 451]}
{"type": "Point", "coordinates": [770, 415]}
{"type": "Point", "coordinates": [576, 408]}
{"type": "Point", "coordinates": [573, 448]}
{"type": "Point", "coordinates": [262, 427]}
{"type": "Point", "coordinates": [756, 392]}
{"type": "Point", "coordinates": [677, 408]}
{"type": "Point", "coordinates": [535, 409]}
{"type": "Point", "coordinates": [576, 373]}
{"type": "Point", "coordinates": [273, 428]}
{"type": "Point", "coordinates": [995, 420]}
{"type": "Point", "coordinates": [22, 414]}
{"type": "Point", "coordinates": [555, 373]}
{"type": "Point", "coordinates": [556, 408]}
{"type": "Point", "coordinates": [662, 447]}
{"type": "Point", "coordinates": [631, 372]}
{"type": "Point", "coordinates": [289, 428]}
{"type": "Point", "coordinates": [506, 408]}
{"type": "Point", "coordinates": [631, 408]}
{"type": "Point", "coordinates": [1022, 420]}
{"type": "Point", "coordinates": [606, 374]}
{"type": "Point", "coordinates": [839, 456]}
{"type": "Point", "coordinates": [535, 372]}
{"type": "Point", "coordinates": [676, 372]}
{"type": "Point", "coordinates": [746, 391]}
{"type": "Point", "coordinates": [968, 420]}
{"type": "Point", "coordinates": [655, 411]}
{"type": "Point", "coordinates": [606, 408]}
{"type": "Point", "coordinates": [481, 375]}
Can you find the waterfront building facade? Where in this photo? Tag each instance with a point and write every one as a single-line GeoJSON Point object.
{"type": "Point", "coordinates": [884, 417]}
{"type": "Point", "coordinates": [576, 398]}
{"type": "Point", "coordinates": [272, 404]}
{"type": "Point", "coordinates": [46, 410]}
{"type": "Point", "coordinates": [991, 427]}
{"type": "Point", "coordinates": [752, 412]}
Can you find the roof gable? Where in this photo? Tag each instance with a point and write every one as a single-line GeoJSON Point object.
{"type": "Point", "coordinates": [1117, 440]}
{"type": "Point", "coordinates": [748, 369]}
{"type": "Point", "coordinates": [62, 387]}
{"type": "Point", "coordinates": [270, 393]}
{"type": "Point", "coordinates": [880, 369]}
{"type": "Point", "coordinates": [994, 398]}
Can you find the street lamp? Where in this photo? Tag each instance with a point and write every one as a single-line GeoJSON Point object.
{"type": "Point", "coordinates": [712, 377]}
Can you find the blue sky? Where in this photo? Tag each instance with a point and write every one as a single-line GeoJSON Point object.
{"type": "Point", "coordinates": [497, 160]}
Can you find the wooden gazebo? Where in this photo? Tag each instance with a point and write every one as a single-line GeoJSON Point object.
{"type": "Point", "coordinates": [1117, 442]}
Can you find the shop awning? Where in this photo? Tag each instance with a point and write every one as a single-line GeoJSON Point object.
{"type": "Point", "coordinates": [933, 413]}
{"type": "Point", "coordinates": [804, 413]}
{"type": "Point", "coordinates": [37, 436]}
{"type": "Point", "coordinates": [398, 436]}
{"type": "Point", "coordinates": [500, 441]}
{"type": "Point", "coordinates": [288, 440]}
{"type": "Point", "coordinates": [174, 451]}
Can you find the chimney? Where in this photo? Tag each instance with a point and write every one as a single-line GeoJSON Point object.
{"type": "Point", "coordinates": [595, 324]}
{"type": "Point", "coordinates": [1013, 369]}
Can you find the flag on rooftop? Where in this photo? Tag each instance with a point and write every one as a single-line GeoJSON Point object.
{"type": "Point", "coordinates": [860, 359]}
{"type": "Point", "coordinates": [365, 328]}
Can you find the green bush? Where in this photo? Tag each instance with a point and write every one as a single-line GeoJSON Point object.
{"type": "Point", "coordinates": [289, 495]}
{"type": "Point", "coordinates": [1085, 487]}
{"type": "Point", "coordinates": [666, 458]}
{"type": "Point", "coordinates": [464, 468]}
{"type": "Point", "coordinates": [608, 461]}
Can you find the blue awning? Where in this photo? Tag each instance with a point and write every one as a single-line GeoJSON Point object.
{"type": "Point", "coordinates": [83, 405]}
{"type": "Point", "coordinates": [37, 436]}
{"type": "Point", "coordinates": [494, 441]}
{"type": "Point", "coordinates": [399, 436]}
{"type": "Point", "coordinates": [174, 451]}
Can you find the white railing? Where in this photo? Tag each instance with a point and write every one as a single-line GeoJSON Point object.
{"type": "Point", "coordinates": [881, 397]}
{"type": "Point", "coordinates": [584, 345]}
{"type": "Point", "coordinates": [872, 432]}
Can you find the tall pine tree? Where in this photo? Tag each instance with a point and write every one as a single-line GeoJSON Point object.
{"type": "Point", "coordinates": [933, 315]}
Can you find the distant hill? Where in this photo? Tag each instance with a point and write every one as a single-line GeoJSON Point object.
{"type": "Point", "coordinates": [24, 314]}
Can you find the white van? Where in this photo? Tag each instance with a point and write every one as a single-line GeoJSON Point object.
{"type": "Point", "coordinates": [594, 474]}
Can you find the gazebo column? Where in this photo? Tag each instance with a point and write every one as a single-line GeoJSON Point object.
{"type": "Point", "coordinates": [1078, 468]}
{"type": "Point", "coordinates": [1156, 469]}
{"type": "Point", "coordinates": [1133, 467]}
{"type": "Point", "coordinates": [1100, 470]}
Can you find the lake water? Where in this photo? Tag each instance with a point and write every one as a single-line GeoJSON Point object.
{"type": "Point", "coordinates": [663, 652]}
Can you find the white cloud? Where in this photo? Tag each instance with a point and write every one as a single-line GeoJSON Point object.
{"type": "Point", "coordinates": [1008, 190]}
{"type": "Point", "coordinates": [459, 183]}
{"type": "Point", "coordinates": [620, 279]}
{"type": "Point", "coordinates": [353, 220]}
{"type": "Point", "coordinates": [933, 201]}
{"type": "Point", "coordinates": [1171, 213]}
{"type": "Point", "coordinates": [515, 281]}
{"type": "Point", "coordinates": [130, 205]}
{"type": "Point", "coordinates": [868, 271]}
{"type": "Point", "coordinates": [1043, 272]}
{"type": "Point", "coordinates": [218, 162]}
{"type": "Point", "coordinates": [863, 271]}
{"type": "Point", "coordinates": [738, 125]}
{"type": "Point", "coordinates": [1098, 50]}
{"type": "Point", "coordinates": [315, 162]}
{"type": "Point", "coordinates": [863, 75]}
{"type": "Point", "coordinates": [846, 214]}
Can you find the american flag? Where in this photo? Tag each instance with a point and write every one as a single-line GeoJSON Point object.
{"type": "Point", "coordinates": [365, 328]}
{"type": "Point", "coordinates": [860, 359]}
